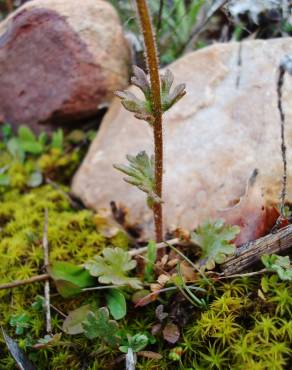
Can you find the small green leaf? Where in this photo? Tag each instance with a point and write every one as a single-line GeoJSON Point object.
{"type": "Point", "coordinates": [35, 179]}
{"type": "Point", "coordinates": [98, 325]}
{"type": "Point", "coordinates": [215, 240]}
{"type": "Point", "coordinates": [169, 98]}
{"type": "Point", "coordinates": [28, 141]}
{"type": "Point", "coordinates": [20, 322]}
{"type": "Point", "coordinates": [57, 139]}
{"type": "Point", "coordinates": [137, 342]}
{"type": "Point", "coordinates": [70, 279]}
{"type": "Point", "coordinates": [116, 303]}
{"type": "Point", "coordinates": [150, 258]}
{"type": "Point", "coordinates": [6, 130]}
{"type": "Point", "coordinates": [112, 268]}
{"type": "Point", "coordinates": [73, 322]}
{"type": "Point", "coordinates": [43, 138]}
{"type": "Point", "coordinates": [15, 149]}
{"type": "Point", "coordinates": [141, 81]}
{"type": "Point", "coordinates": [140, 173]}
{"type": "Point", "coordinates": [281, 265]}
{"type": "Point", "coordinates": [39, 303]}
{"type": "Point", "coordinates": [25, 134]}
{"type": "Point", "coordinates": [32, 147]}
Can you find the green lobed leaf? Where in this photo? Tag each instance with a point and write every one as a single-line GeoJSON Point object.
{"type": "Point", "coordinates": [116, 303]}
{"type": "Point", "coordinates": [137, 342]}
{"type": "Point", "coordinates": [215, 240]}
{"type": "Point", "coordinates": [141, 174]}
{"type": "Point", "coordinates": [112, 268]}
{"type": "Point", "coordinates": [20, 322]}
{"type": "Point", "coordinates": [279, 264]}
{"type": "Point", "coordinates": [70, 279]}
{"type": "Point", "coordinates": [98, 325]}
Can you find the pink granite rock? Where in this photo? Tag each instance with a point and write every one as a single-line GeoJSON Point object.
{"type": "Point", "coordinates": [60, 60]}
{"type": "Point", "coordinates": [226, 126]}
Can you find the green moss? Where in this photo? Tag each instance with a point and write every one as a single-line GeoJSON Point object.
{"type": "Point", "coordinates": [240, 329]}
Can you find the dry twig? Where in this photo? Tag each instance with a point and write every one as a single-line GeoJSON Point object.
{"type": "Point", "coordinates": [47, 283]}
{"type": "Point", "coordinates": [250, 253]}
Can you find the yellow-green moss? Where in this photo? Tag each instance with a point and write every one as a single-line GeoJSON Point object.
{"type": "Point", "coordinates": [240, 329]}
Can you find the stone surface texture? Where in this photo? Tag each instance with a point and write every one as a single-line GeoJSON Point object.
{"type": "Point", "coordinates": [226, 126]}
{"type": "Point", "coordinates": [60, 60]}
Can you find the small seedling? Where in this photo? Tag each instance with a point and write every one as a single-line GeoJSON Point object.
{"type": "Point", "coordinates": [215, 241]}
{"type": "Point", "coordinates": [281, 265]}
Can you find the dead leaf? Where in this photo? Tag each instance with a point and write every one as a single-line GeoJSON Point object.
{"type": "Point", "coordinates": [251, 213]}
{"type": "Point", "coordinates": [163, 279]}
{"type": "Point", "coordinates": [147, 299]}
{"type": "Point", "coordinates": [156, 329]}
{"type": "Point", "coordinates": [48, 341]}
{"type": "Point", "coordinates": [139, 295]}
{"type": "Point", "coordinates": [20, 358]}
{"type": "Point", "coordinates": [171, 333]}
{"type": "Point", "coordinates": [173, 262]}
{"type": "Point", "coordinates": [160, 314]}
{"type": "Point", "coordinates": [187, 271]}
{"type": "Point", "coordinates": [155, 287]}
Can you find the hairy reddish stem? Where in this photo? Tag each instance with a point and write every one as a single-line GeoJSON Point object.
{"type": "Point", "coordinates": [153, 69]}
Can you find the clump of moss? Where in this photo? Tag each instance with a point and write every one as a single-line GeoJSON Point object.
{"type": "Point", "coordinates": [246, 324]}
{"type": "Point", "coordinates": [243, 329]}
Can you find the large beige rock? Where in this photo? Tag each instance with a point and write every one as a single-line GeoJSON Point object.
{"type": "Point", "coordinates": [226, 126]}
{"type": "Point", "coordinates": [60, 60]}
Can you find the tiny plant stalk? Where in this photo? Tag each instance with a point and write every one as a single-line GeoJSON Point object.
{"type": "Point", "coordinates": [153, 69]}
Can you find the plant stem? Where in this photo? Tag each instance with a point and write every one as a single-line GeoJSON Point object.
{"type": "Point", "coordinates": [9, 6]}
{"type": "Point", "coordinates": [283, 144]}
{"type": "Point", "coordinates": [17, 283]}
{"type": "Point", "coordinates": [153, 69]}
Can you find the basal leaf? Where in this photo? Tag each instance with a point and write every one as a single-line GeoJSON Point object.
{"type": "Point", "coordinates": [70, 279]}
{"type": "Point", "coordinates": [279, 264]}
{"type": "Point", "coordinates": [215, 240]}
{"type": "Point", "coordinates": [98, 325]}
{"type": "Point", "coordinates": [113, 267]}
{"type": "Point", "coordinates": [116, 303]}
{"type": "Point", "coordinates": [73, 322]}
{"type": "Point", "coordinates": [136, 342]}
